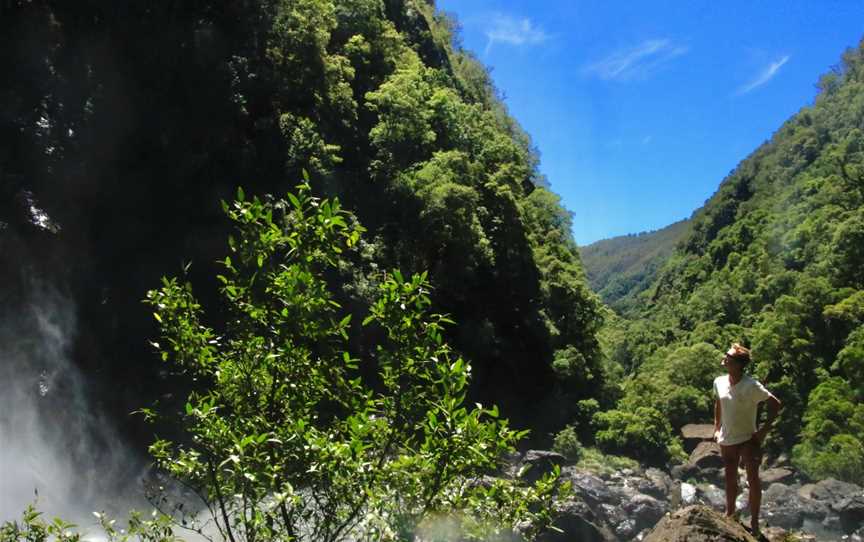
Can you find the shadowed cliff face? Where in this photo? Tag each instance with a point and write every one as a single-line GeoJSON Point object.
{"type": "Point", "coordinates": [112, 163]}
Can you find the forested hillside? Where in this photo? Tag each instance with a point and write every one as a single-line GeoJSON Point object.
{"type": "Point", "coordinates": [775, 260]}
{"type": "Point", "coordinates": [620, 268]}
{"type": "Point", "coordinates": [125, 124]}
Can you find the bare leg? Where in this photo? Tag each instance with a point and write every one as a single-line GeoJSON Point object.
{"type": "Point", "coordinates": [730, 456]}
{"type": "Point", "coordinates": [752, 456]}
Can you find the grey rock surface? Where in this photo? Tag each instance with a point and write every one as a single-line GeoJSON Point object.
{"type": "Point", "coordinates": [706, 456]}
{"type": "Point", "coordinates": [850, 510]}
{"type": "Point", "coordinates": [576, 521]}
{"type": "Point", "coordinates": [776, 474]}
{"type": "Point", "coordinates": [698, 524]}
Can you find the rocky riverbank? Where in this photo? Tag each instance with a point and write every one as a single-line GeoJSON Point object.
{"type": "Point", "coordinates": [628, 504]}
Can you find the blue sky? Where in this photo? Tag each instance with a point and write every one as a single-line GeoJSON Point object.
{"type": "Point", "coordinates": [640, 109]}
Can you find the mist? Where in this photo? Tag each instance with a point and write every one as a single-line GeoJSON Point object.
{"type": "Point", "coordinates": [57, 449]}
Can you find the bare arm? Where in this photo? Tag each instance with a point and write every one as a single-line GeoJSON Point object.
{"type": "Point", "coordinates": [774, 405]}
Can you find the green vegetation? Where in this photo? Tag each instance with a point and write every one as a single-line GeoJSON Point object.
{"type": "Point", "coordinates": [774, 260]}
{"type": "Point", "coordinates": [622, 267]}
{"type": "Point", "coordinates": [297, 401]}
{"type": "Point", "coordinates": [567, 444]}
{"type": "Point", "coordinates": [595, 461]}
{"type": "Point", "coordinates": [833, 428]}
{"type": "Point", "coordinates": [289, 436]}
{"type": "Point", "coordinates": [376, 99]}
{"type": "Point", "coordinates": [292, 438]}
{"type": "Point", "coordinates": [32, 527]}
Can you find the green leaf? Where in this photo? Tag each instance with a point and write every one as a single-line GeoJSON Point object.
{"type": "Point", "coordinates": [294, 201]}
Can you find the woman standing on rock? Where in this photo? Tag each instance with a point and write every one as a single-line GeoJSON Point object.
{"type": "Point", "coordinates": [737, 397]}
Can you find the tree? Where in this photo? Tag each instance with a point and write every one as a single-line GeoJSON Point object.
{"type": "Point", "coordinates": [831, 439]}
{"type": "Point", "coordinates": [644, 434]}
{"type": "Point", "coordinates": [287, 439]}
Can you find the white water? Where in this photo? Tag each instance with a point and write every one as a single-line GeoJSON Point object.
{"type": "Point", "coordinates": [56, 449]}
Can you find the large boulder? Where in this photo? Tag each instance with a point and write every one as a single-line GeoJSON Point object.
{"type": "Point", "coordinates": [851, 512]}
{"type": "Point", "coordinates": [832, 490]}
{"type": "Point", "coordinates": [576, 521]}
{"type": "Point", "coordinates": [698, 524]}
{"type": "Point", "coordinates": [781, 506]}
{"type": "Point", "coordinates": [775, 475]}
{"type": "Point", "coordinates": [694, 433]}
{"type": "Point", "coordinates": [644, 510]}
{"type": "Point", "coordinates": [707, 456]}
{"type": "Point", "coordinates": [592, 489]}
{"type": "Point", "coordinates": [705, 463]}
{"type": "Point", "coordinates": [656, 483]}
{"type": "Point", "coordinates": [711, 495]}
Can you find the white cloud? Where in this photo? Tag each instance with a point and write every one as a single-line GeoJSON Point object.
{"type": "Point", "coordinates": [766, 75]}
{"type": "Point", "coordinates": [513, 31]}
{"type": "Point", "coordinates": [639, 61]}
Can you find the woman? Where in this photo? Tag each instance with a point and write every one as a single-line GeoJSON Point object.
{"type": "Point", "coordinates": [737, 397]}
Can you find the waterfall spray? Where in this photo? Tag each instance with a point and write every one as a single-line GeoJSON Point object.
{"type": "Point", "coordinates": [55, 448]}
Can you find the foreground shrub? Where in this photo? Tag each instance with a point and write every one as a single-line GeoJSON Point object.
{"type": "Point", "coordinates": [289, 439]}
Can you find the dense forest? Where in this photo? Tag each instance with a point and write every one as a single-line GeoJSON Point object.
{"type": "Point", "coordinates": [127, 124]}
{"type": "Point", "coordinates": [355, 138]}
{"type": "Point", "coordinates": [774, 259]}
{"type": "Point", "coordinates": [620, 268]}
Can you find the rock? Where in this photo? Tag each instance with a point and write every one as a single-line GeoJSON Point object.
{"type": "Point", "coordinates": [625, 529]}
{"type": "Point", "coordinates": [684, 472]}
{"type": "Point", "coordinates": [644, 510]}
{"type": "Point", "coordinates": [782, 506]}
{"type": "Point", "coordinates": [707, 456]}
{"type": "Point", "coordinates": [832, 522]}
{"type": "Point", "coordinates": [851, 512]}
{"type": "Point", "coordinates": [712, 496]}
{"type": "Point", "coordinates": [781, 460]}
{"type": "Point", "coordinates": [742, 502]}
{"type": "Point", "coordinates": [833, 490]}
{"type": "Point", "coordinates": [780, 494]}
{"type": "Point", "coordinates": [776, 474]}
{"type": "Point", "coordinates": [698, 524]}
{"type": "Point", "coordinates": [688, 494]}
{"type": "Point", "coordinates": [592, 489]}
{"type": "Point", "coordinates": [775, 533]}
{"type": "Point", "coordinates": [694, 433]}
{"type": "Point", "coordinates": [659, 484]}
{"type": "Point", "coordinates": [701, 431]}
{"type": "Point", "coordinates": [576, 521]}
{"type": "Point", "coordinates": [787, 517]}
{"type": "Point", "coordinates": [536, 463]}
{"type": "Point", "coordinates": [806, 491]}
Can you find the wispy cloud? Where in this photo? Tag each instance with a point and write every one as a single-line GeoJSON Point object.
{"type": "Point", "coordinates": [511, 30]}
{"type": "Point", "coordinates": [764, 76]}
{"type": "Point", "coordinates": [636, 62]}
